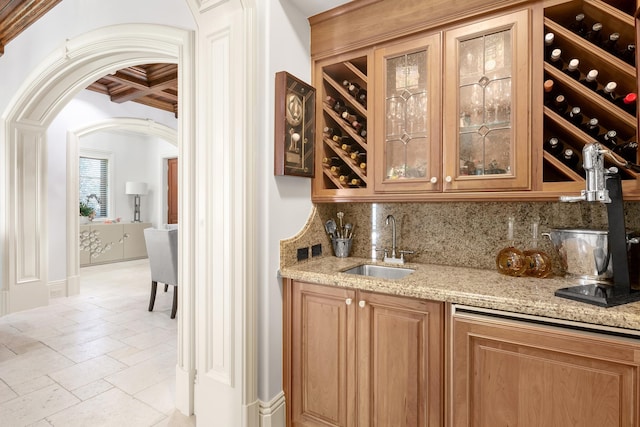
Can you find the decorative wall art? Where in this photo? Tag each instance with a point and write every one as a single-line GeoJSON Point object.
{"type": "Point", "coordinates": [294, 126]}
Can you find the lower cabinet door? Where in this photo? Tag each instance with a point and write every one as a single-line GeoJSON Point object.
{"type": "Point", "coordinates": [322, 356]}
{"type": "Point", "coordinates": [400, 371]}
{"type": "Point", "coordinates": [510, 373]}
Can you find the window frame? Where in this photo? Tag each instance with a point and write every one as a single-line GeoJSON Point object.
{"type": "Point", "coordinates": [109, 157]}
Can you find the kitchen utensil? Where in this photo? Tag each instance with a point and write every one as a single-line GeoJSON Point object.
{"type": "Point", "coordinates": [330, 227]}
{"type": "Point", "coordinates": [348, 229]}
{"type": "Point", "coordinates": [340, 216]}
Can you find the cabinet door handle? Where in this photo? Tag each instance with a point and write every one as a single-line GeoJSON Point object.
{"type": "Point", "coordinates": [348, 301]}
{"type": "Point", "coordinates": [448, 178]}
{"type": "Point", "coordinates": [433, 180]}
{"type": "Point", "coordinates": [362, 303]}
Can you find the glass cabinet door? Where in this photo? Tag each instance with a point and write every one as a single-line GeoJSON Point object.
{"type": "Point", "coordinates": [486, 142]}
{"type": "Point", "coordinates": [407, 149]}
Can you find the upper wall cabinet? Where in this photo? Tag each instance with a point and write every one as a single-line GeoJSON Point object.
{"type": "Point", "coordinates": [437, 112]}
{"type": "Point", "coordinates": [407, 116]}
{"type": "Point", "coordinates": [590, 81]}
{"type": "Point", "coordinates": [466, 100]}
{"type": "Point", "coordinates": [486, 97]}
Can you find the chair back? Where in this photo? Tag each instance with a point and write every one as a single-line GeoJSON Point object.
{"type": "Point", "coordinates": [162, 249]}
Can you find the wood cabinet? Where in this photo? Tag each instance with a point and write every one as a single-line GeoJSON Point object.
{"type": "Point", "coordinates": [439, 164]}
{"type": "Point", "coordinates": [514, 373]}
{"type": "Point", "coordinates": [448, 111]}
{"type": "Point", "coordinates": [486, 133]}
{"type": "Point", "coordinates": [103, 243]}
{"type": "Point", "coordinates": [355, 358]}
{"type": "Point", "coordinates": [560, 18]}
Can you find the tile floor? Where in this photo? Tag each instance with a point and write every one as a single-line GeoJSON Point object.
{"type": "Point", "coordinates": [95, 359]}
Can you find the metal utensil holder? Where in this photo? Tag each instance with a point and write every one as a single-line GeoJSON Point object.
{"type": "Point", "coordinates": [341, 247]}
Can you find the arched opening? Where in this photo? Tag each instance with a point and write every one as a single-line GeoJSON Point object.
{"type": "Point", "coordinates": [141, 126]}
{"type": "Point", "coordinates": [24, 182]}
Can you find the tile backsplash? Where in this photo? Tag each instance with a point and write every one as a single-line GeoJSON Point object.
{"type": "Point", "coordinates": [453, 233]}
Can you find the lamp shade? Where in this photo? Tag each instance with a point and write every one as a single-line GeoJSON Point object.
{"type": "Point", "coordinates": [136, 188]}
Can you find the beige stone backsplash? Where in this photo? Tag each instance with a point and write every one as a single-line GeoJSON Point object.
{"type": "Point", "coordinates": [467, 234]}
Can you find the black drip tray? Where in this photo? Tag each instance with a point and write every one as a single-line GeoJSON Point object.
{"type": "Point", "coordinates": [599, 294]}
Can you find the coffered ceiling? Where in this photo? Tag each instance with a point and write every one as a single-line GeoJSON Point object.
{"type": "Point", "coordinates": [154, 85]}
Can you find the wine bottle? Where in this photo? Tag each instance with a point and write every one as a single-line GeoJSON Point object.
{"type": "Point", "coordinates": [359, 156]}
{"type": "Point", "coordinates": [628, 151]}
{"type": "Point", "coordinates": [341, 169]}
{"type": "Point", "coordinates": [575, 116]}
{"type": "Point", "coordinates": [549, 40]}
{"type": "Point", "coordinates": [560, 104]}
{"type": "Point", "coordinates": [337, 137]}
{"type": "Point", "coordinates": [572, 69]}
{"type": "Point", "coordinates": [355, 181]}
{"type": "Point", "coordinates": [628, 54]}
{"type": "Point", "coordinates": [340, 106]}
{"type": "Point", "coordinates": [354, 89]}
{"type": "Point", "coordinates": [556, 59]}
{"type": "Point", "coordinates": [347, 177]}
{"type": "Point", "coordinates": [510, 260]}
{"type": "Point", "coordinates": [609, 139]}
{"type": "Point", "coordinates": [329, 132]}
{"type": "Point", "coordinates": [611, 44]}
{"type": "Point", "coordinates": [592, 127]}
{"type": "Point", "coordinates": [553, 146]}
{"type": "Point", "coordinates": [538, 263]}
{"type": "Point", "coordinates": [330, 100]}
{"type": "Point", "coordinates": [362, 97]}
{"type": "Point", "coordinates": [609, 91]}
{"type": "Point", "coordinates": [594, 35]}
{"type": "Point", "coordinates": [358, 125]}
{"type": "Point", "coordinates": [549, 93]}
{"type": "Point", "coordinates": [629, 103]}
{"type": "Point", "coordinates": [332, 161]}
{"type": "Point", "coordinates": [345, 84]}
{"type": "Point", "coordinates": [591, 80]}
{"type": "Point", "coordinates": [363, 165]}
{"type": "Point", "coordinates": [350, 115]}
{"type": "Point", "coordinates": [578, 26]}
{"type": "Point", "coordinates": [347, 147]}
{"type": "Point", "coordinates": [569, 158]}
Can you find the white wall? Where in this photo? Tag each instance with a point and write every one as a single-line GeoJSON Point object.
{"type": "Point", "coordinates": [135, 157]}
{"type": "Point", "coordinates": [71, 18]}
{"type": "Point", "coordinates": [284, 200]}
{"type": "Point", "coordinates": [85, 109]}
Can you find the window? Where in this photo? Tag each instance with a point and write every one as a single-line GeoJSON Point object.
{"type": "Point", "coordinates": [94, 184]}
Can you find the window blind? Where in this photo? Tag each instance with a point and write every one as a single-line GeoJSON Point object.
{"type": "Point", "coordinates": [94, 184]}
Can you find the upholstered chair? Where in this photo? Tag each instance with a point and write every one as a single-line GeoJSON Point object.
{"type": "Point", "coordinates": [162, 249]}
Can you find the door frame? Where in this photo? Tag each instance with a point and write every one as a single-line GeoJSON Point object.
{"type": "Point", "coordinates": [23, 185]}
{"type": "Point", "coordinates": [137, 125]}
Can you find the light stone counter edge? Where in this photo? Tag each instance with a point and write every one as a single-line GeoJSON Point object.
{"type": "Point", "coordinates": [472, 287]}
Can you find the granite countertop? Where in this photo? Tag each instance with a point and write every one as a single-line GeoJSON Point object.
{"type": "Point", "coordinates": [468, 286]}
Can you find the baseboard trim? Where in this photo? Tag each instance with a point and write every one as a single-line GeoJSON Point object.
{"type": "Point", "coordinates": [273, 413]}
{"type": "Point", "coordinates": [58, 289]}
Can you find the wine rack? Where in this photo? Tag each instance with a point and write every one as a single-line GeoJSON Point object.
{"type": "Point", "coordinates": [615, 16]}
{"type": "Point", "coordinates": [352, 70]}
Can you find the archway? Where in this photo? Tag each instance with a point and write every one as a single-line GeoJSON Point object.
{"type": "Point", "coordinates": [142, 126]}
{"type": "Point", "coordinates": [24, 185]}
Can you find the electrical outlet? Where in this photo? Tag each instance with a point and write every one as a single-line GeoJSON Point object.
{"type": "Point", "coordinates": [303, 253]}
{"type": "Point", "coordinates": [316, 250]}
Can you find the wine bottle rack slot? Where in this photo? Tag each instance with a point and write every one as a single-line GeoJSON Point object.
{"type": "Point", "coordinates": [594, 51]}
{"type": "Point", "coordinates": [345, 84]}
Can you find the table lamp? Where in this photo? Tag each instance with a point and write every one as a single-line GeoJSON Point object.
{"type": "Point", "coordinates": [137, 189]}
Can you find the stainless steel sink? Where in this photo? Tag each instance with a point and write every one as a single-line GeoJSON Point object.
{"type": "Point", "coordinates": [380, 271]}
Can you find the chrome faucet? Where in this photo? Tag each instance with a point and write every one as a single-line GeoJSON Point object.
{"type": "Point", "coordinates": [393, 259]}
